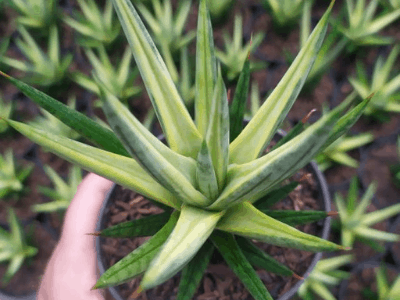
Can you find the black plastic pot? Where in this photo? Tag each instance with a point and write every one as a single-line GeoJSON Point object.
{"type": "Point", "coordinates": [323, 228]}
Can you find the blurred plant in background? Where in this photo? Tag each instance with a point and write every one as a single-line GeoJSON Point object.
{"type": "Point", "coordinates": [38, 14]}
{"type": "Point", "coordinates": [362, 25]}
{"type": "Point", "coordinates": [285, 13]}
{"type": "Point", "coordinates": [43, 69]}
{"type": "Point", "coordinates": [395, 169]}
{"type": "Point", "coordinates": [11, 176]}
{"type": "Point", "coordinates": [62, 193]}
{"type": "Point", "coordinates": [219, 10]}
{"type": "Point", "coordinates": [94, 28]}
{"type": "Point", "coordinates": [384, 290]}
{"type": "Point", "coordinates": [326, 272]}
{"type": "Point", "coordinates": [336, 152]}
{"type": "Point", "coordinates": [355, 222]}
{"type": "Point", "coordinates": [13, 247]}
{"type": "Point", "coordinates": [6, 110]}
{"type": "Point", "coordinates": [54, 125]}
{"type": "Point", "coordinates": [168, 30]}
{"type": "Point", "coordinates": [386, 89]}
{"type": "Point", "coordinates": [235, 54]}
{"type": "Point", "coordinates": [119, 81]}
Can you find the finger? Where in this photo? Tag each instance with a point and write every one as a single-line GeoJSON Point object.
{"type": "Point", "coordinates": [83, 212]}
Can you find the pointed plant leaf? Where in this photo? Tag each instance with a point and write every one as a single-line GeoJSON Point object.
{"type": "Point", "coordinates": [206, 72]}
{"type": "Point", "coordinates": [346, 122]}
{"type": "Point", "coordinates": [260, 130]}
{"type": "Point", "coordinates": [275, 195]}
{"type": "Point", "coordinates": [139, 259]}
{"type": "Point", "coordinates": [252, 180]}
{"type": "Point", "coordinates": [237, 261]}
{"type": "Point", "coordinates": [259, 258]}
{"type": "Point", "coordinates": [218, 132]}
{"type": "Point", "coordinates": [245, 220]}
{"type": "Point", "coordinates": [238, 105]}
{"type": "Point", "coordinates": [178, 127]}
{"type": "Point", "coordinates": [88, 128]}
{"type": "Point", "coordinates": [120, 169]}
{"type": "Point", "coordinates": [149, 151]}
{"type": "Point", "coordinates": [146, 226]}
{"type": "Point", "coordinates": [192, 230]}
{"type": "Point", "coordinates": [205, 175]}
{"type": "Point", "coordinates": [294, 217]}
{"type": "Point", "coordinates": [193, 272]}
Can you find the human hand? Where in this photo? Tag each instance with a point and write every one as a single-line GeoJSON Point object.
{"type": "Point", "coordinates": [72, 269]}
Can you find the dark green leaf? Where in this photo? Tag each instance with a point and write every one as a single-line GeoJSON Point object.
{"type": "Point", "coordinates": [193, 272]}
{"type": "Point", "coordinates": [236, 260]}
{"type": "Point", "coordinates": [238, 105]}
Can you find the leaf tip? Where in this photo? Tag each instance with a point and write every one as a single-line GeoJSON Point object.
{"type": "Point", "coordinates": [332, 213]}
{"type": "Point", "coordinates": [5, 75]}
{"type": "Point", "coordinates": [94, 233]}
{"type": "Point", "coordinates": [298, 276]}
{"type": "Point", "coordinates": [305, 119]}
{"type": "Point", "coordinates": [136, 293]}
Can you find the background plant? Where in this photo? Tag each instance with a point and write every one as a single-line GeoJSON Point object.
{"type": "Point", "coordinates": [326, 273]}
{"type": "Point", "coordinates": [336, 152]}
{"type": "Point", "coordinates": [386, 89]}
{"type": "Point", "coordinates": [355, 222]}
{"type": "Point", "coordinates": [13, 247]}
{"type": "Point", "coordinates": [395, 169]}
{"type": "Point", "coordinates": [94, 27]}
{"type": "Point", "coordinates": [11, 176]}
{"type": "Point", "coordinates": [43, 69]}
{"type": "Point", "coordinates": [362, 25]}
{"type": "Point", "coordinates": [54, 125]}
{"type": "Point", "coordinates": [384, 289]}
{"type": "Point", "coordinates": [197, 157]}
{"type": "Point", "coordinates": [38, 14]}
{"type": "Point", "coordinates": [63, 191]}
{"type": "Point", "coordinates": [6, 110]}
{"type": "Point", "coordinates": [119, 81]}
{"type": "Point", "coordinates": [285, 13]}
{"type": "Point", "coordinates": [235, 54]}
{"type": "Point", "coordinates": [168, 29]}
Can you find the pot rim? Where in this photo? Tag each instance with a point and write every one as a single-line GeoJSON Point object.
{"type": "Point", "coordinates": [323, 194]}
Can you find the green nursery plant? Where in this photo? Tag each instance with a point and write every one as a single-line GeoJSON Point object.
{"type": "Point", "coordinates": [94, 27]}
{"type": "Point", "coordinates": [62, 193]}
{"type": "Point", "coordinates": [11, 177]}
{"type": "Point", "coordinates": [36, 14]}
{"type": "Point", "coordinates": [363, 25]}
{"type": "Point", "coordinates": [336, 152]}
{"type": "Point", "coordinates": [54, 125]}
{"type": "Point", "coordinates": [206, 176]}
{"type": "Point", "coordinates": [326, 272]}
{"type": "Point", "coordinates": [384, 290]}
{"type": "Point", "coordinates": [168, 30]}
{"type": "Point", "coordinates": [355, 222]}
{"type": "Point", "coordinates": [219, 10]}
{"type": "Point", "coordinates": [13, 247]}
{"type": "Point", "coordinates": [386, 88]}
{"type": "Point", "coordinates": [6, 110]}
{"type": "Point", "coordinates": [285, 13]}
{"type": "Point", "coordinates": [119, 81]}
{"type": "Point", "coordinates": [43, 69]}
{"type": "Point", "coordinates": [235, 54]}
{"type": "Point", "coordinates": [395, 169]}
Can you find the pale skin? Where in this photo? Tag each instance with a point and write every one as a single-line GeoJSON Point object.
{"type": "Point", "coordinates": [72, 269]}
